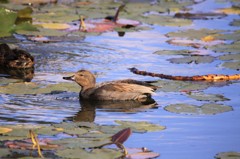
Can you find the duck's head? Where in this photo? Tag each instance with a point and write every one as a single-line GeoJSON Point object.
{"type": "Point", "coordinates": [84, 78]}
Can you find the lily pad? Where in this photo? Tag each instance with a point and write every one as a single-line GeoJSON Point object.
{"type": "Point", "coordinates": [192, 59]}
{"type": "Point", "coordinates": [179, 86]}
{"type": "Point", "coordinates": [4, 130]}
{"type": "Point", "coordinates": [205, 109]}
{"type": "Point", "coordinates": [137, 153]}
{"type": "Point", "coordinates": [227, 48]}
{"type": "Point", "coordinates": [232, 65]}
{"type": "Point", "coordinates": [228, 57]}
{"type": "Point", "coordinates": [33, 88]}
{"type": "Point", "coordinates": [235, 22]}
{"type": "Point", "coordinates": [7, 20]}
{"type": "Point", "coordinates": [4, 152]}
{"type": "Point", "coordinates": [228, 155]}
{"type": "Point", "coordinates": [81, 142]}
{"type": "Point", "coordinates": [165, 20]}
{"type": "Point", "coordinates": [95, 153]}
{"type": "Point", "coordinates": [235, 36]}
{"type": "Point", "coordinates": [194, 34]}
{"type": "Point", "coordinates": [207, 97]}
{"type": "Point", "coordinates": [140, 126]}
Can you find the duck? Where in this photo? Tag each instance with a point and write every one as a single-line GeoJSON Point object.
{"type": "Point", "coordinates": [119, 90]}
{"type": "Point", "coordinates": [15, 58]}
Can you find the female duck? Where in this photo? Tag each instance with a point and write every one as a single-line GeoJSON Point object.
{"type": "Point", "coordinates": [114, 90]}
{"type": "Point", "coordinates": [15, 58]}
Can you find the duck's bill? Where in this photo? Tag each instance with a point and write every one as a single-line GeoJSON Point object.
{"type": "Point", "coordinates": [71, 78]}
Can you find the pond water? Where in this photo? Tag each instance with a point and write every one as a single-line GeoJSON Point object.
{"type": "Point", "coordinates": [109, 57]}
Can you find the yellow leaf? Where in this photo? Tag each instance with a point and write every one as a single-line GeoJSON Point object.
{"type": "Point", "coordinates": [59, 26]}
{"type": "Point", "coordinates": [4, 130]}
{"type": "Point", "coordinates": [233, 10]}
{"type": "Point", "coordinates": [208, 38]}
{"type": "Point", "coordinates": [59, 129]}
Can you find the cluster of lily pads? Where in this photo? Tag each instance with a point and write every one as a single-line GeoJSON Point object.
{"type": "Point", "coordinates": [69, 140]}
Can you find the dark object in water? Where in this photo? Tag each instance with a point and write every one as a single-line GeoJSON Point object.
{"type": "Point", "coordinates": [15, 58]}
{"type": "Point", "coordinates": [16, 63]}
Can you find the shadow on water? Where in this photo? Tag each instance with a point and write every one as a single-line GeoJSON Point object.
{"type": "Point", "coordinates": [88, 109]}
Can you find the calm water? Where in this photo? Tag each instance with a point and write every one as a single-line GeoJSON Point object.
{"type": "Point", "coordinates": [110, 56]}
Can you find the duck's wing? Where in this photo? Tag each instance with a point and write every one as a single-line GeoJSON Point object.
{"type": "Point", "coordinates": [121, 91]}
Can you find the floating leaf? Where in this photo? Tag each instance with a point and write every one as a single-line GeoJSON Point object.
{"type": "Point", "coordinates": [95, 153]}
{"type": "Point", "coordinates": [199, 15]}
{"type": "Point", "coordinates": [206, 109]}
{"type": "Point", "coordinates": [208, 38]}
{"type": "Point", "coordinates": [235, 22]}
{"type": "Point", "coordinates": [232, 10]}
{"type": "Point", "coordinates": [227, 48]}
{"type": "Point", "coordinates": [33, 88]}
{"type": "Point", "coordinates": [207, 97]}
{"type": "Point", "coordinates": [194, 34]}
{"type": "Point", "coordinates": [25, 13]}
{"type": "Point", "coordinates": [232, 65]}
{"type": "Point", "coordinates": [4, 152]}
{"type": "Point", "coordinates": [4, 130]}
{"type": "Point", "coordinates": [228, 155]}
{"type": "Point", "coordinates": [140, 126]}
{"type": "Point", "coordinates": [140, 153]}
{"type": "Point", "coordinates": [7, 21]}
{"type": "Point", "coordinates": [81, 142]}
{"type": "Point", "coordinates": [178, 86]}
{"type": "Point", "coordinates": [192, 59]}
{"type": "Point", "coordinates": [57, 26]}
{"type": "Point", "coordinates": [165, 20]}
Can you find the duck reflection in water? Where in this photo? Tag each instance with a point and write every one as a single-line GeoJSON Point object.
{"type": "Point", "coordinates": [121, 95]}
{"type": "Point", "coordinates": [88, 109]}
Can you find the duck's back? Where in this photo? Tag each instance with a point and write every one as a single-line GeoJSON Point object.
{"type": "Point", "coordinates": [119, 90]}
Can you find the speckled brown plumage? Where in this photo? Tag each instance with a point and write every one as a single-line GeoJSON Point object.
{"type": "Point", "coordinates": [15, 58]}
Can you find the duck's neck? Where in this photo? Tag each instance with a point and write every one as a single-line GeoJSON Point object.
{"type": "Point", "coordinates": [86, 91]}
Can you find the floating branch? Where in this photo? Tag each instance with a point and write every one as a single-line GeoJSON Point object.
{"type": "Point", "coordinates": [209, 77]}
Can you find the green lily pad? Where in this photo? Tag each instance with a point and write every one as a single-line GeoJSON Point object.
{"type": "Point", "coordinates": [235, 65]}
{"type": "Point", "coordinates": [81, 142]}
{"type": "Point", "coordinates": [227, 48]}
{"type": "Point", "coordinates": [205, 109]}
{"type": "Point", "coordinates": [4, 152]}
{"type": "Point", "coordinates": [165, 20]}
{"type": "Point", "coordinates": [230, 57]}
{"type": "Point", "coordinates": [207, 97]}
{"type": "Point", "coordinates": [140, 126]}
{"type": "Point", "coordinates": [235, 36]}
{"type": "Point", "coordinates": [192, 59]}
{"type": "Point", "coordinates": [233, 61]}
{"type": "Point", "coordinates": [95, 153]}
{"type": "Point", "coordinates": [43, 32]}
{"type": "Point", "coordinates": [7, 21]}
{"type": "Point", "coordinates": [179, 86]}
{"type": "Point", "coordinates": [194, 34]}
{"type": "Point", "coordinates": [33, 88]}
{"type": "Point", "coordinates": [228, 155]}
{"type": "Point", "coordinates": [58, 13]}
{"type": "Point", "coordinates": [174, 52]}
{"type": "Point", "coordinates": [235, 22]}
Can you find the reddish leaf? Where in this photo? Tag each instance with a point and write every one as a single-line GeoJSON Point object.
{"type": "Point", "coordinates": [121, 136]}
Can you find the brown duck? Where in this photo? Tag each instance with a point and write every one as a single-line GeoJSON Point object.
{"type": "Point", "coordinates": [15, 58]}
{"type": "Point", "coordinates": [113, 90]}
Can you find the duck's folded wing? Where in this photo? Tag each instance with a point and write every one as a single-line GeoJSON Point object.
{"type": "Point", "coordinates": [122, 91]}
